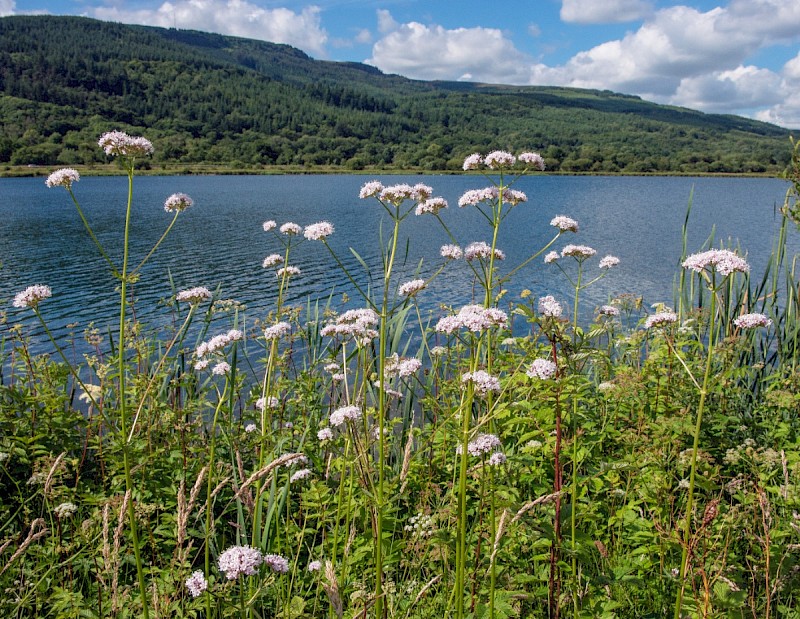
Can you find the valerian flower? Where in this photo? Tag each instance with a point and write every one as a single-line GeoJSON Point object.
{"type": "Point", "coordinates": [196, 583]}
{"type": "Point", "coordinates": [543, 369]}
{"type": "Point", "coordinates": [318, 231]}
{"type": "Point", "coordinates": [177, 202]}
{"type": "Point", "coordinates": [120, 143]}
{"type": "Point", "coordinates": [752, 321]}
{"type": "Point", "coordinates": [238, 560]}
{"type": "Point", "coordinates": [564, 223]}
{"type": "Point", "coordinates": [63, 178]}
{"type": "Point", "coordinates": [32, 296]}
{"type": "Point", "coordinates": [723, 261]}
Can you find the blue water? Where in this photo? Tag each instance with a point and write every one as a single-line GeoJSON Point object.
{"type": "Point", "coordinates": [219, 242]}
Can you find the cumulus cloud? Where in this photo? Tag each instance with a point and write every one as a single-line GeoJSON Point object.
{"type": "Point", "coordinates": [7, 7]}
{"type": "Point", "coordinates": [233, 17]}
{"type": "Point", "coordinates": [728, 91]}
{"type": "Point", "coordinates": [605, 12]}
{"type": "Point", "coordinates": [436, 53]}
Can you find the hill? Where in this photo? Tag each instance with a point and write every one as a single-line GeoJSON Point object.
{"type": "Point", "coordinates": [211, 99]}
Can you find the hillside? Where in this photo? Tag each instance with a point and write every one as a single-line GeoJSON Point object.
{"type": "Point", "coordinates": [211, 99]}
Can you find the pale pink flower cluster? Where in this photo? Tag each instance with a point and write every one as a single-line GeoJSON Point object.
{"type": "Point", "coordinates": [276, 563]}
{"type": "Point", "coordinates": [499, 159]}
{"type": "Point", "coordinates": [752, 321]}
{"type": "Point", "coordinates": [396, 194]}
{"type": "Point", "coordinates": [514, 197]}
{"type": "Point", "coordinates": [332, 368]}
{"type": "Point", "coordinates": [498, 458]}
{"type": "Point", "coordinates": [291, 229]}
{"type": "Point", "coordinates": [196, 583]}
{"type": "Point", "coordinates": [32, 296]}
{"type": "Point", "coordinates": [298, 476]}
{"type": "Point", "coordinates": [221, 368]}
{"type": "Point", "coordinates": [473, 162]}
{"type": "Point", "coordinates": [551, 257]}
{"type": "Point", "coordinates": [543, 369]}
{"type": "Point", "coordinates": [431, 206]}
{"type": "Point", "coordinates": [250, 427]}
{"type": "Point", "coordinates": [356, 323]}
{"type": "Point", "coordinates": [238, 560]}
{"type": "Point", "coordinates": [272, 260]}
{"type": "Point", "coordinates": [287, 271]}
{"type": "Point", "coordinates": [483, 444]}
{"type": "Point", "coordinates": [475, 318]}
{"type": "Point", "coordinates": [277, 331]}
{"type": "Point", "coordinates": [581, 252]}
{"type": "Point", "coordinates": [409, 289]}
{"type": "Point", "coordinates": [177, 202]}
{"type": "Point", "coordinates": [483, 382]}
{"type": "Point", "coordinates": [564, 223]}
{"type": "Point", "coordinates": [267, 402]}
{"type": "Point", "coordinates": [120, 143]}
{"type": "Point", "coordinates": [723, 261]}
{"type": "Point", "coordinates": [371, 189]}
{"type": "Point", "coordinates": [214, 346]}
{"type": "Point", "coordinates": [270, 224]}
{"type": "Point", "coordinates": [549, 307]}
{"type": "Point", "coordinates": [345, 413]}
{"type": "Point", "coordinates": [532, 159]}
{"type": "Point", "coordinates": [474, 197]}
{"type": "Point", "coordinates": [608, 262]}
{"type": "Point", "coordinates": [401, 367]}
{"type": "Point", "coordinates": [482, 251]}
{"type": "Point", "coordinates": [451, 252]}
{"type": "Point", "coordinates": [318, 231]}
{"type": "Point", "coordinates": [660, 319]}
{"type": "Point", "coordinates": [325, 434]}
{"type": "Point", "coordinates": [194, 295]}
{"type": "Point", "coordinates": [608, 310]}
{"type": "Point", "coordinates": [63, 178]}
{"type": "Point", "coordinates": [314, 566]}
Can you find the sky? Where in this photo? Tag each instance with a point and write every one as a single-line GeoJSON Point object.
{"type": "Point", "coordinates": [725, 56]}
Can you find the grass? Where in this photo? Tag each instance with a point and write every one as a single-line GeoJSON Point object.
{"type": "Point", "coordinates": [367, 460]}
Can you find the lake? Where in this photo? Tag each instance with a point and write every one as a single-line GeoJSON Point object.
{"type": "Point", "coordinates": [220, 241]}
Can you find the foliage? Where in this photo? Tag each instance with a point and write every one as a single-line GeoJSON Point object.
{"type": "Point", "coordinates": [249, 105]}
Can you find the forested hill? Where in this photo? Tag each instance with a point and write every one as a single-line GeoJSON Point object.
{"type": "Point", "coordinates": [207, 98]}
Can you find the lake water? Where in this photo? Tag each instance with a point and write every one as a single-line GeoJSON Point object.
{"type": "Point", "coordinates": [220, 241]}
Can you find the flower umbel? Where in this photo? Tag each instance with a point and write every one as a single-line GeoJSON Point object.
{"type": "Point", "coordinates": [32, 296]}
{"type": "Point", "coordinates": [177, 202]}
{"type": "Point", "coordinates": [63, 178]}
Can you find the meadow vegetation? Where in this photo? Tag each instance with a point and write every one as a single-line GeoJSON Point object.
{"type": "Point", "coordinates": [370, 458]}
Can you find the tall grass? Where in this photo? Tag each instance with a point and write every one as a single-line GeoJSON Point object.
{"type": "Point", "coordinates": [361, 458]}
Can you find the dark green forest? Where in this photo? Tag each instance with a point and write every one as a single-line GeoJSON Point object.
{"type": "Point", "coordinates": [207, 99]}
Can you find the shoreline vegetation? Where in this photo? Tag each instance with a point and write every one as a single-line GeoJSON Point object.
{"type": "Point", "coordinates": [390, 464]}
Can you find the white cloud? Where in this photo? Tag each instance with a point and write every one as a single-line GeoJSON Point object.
{"type": "Point", "coordinates": [728, 91]}
{"type": "Point", "coordinates": [7, 7]}
{"type": "Point", "coordinates": [233, 17]}
{"type": "Point", "coordinates": [435, 53]}
{"type": "Point", "coordinates": [787, 112]}
{"type": "Point", "coordinates": [364, 36]}
{"type": "Point", "coordinates": [605, 11]}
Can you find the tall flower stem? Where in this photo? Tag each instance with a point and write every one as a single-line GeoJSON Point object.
{"type": "Point", "coordinates": [209, 491]}
{"type": "Point", "coordinates": [687, 528]}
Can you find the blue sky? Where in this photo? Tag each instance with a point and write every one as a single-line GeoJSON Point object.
{"type": "Point", "coordinates": [729, 56]}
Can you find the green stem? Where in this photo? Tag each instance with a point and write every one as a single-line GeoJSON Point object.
{"type": "Point", "coordinates": [209, 490]}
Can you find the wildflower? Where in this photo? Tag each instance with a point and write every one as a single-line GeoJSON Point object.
{"type": "Point", "coordinates": [420, 525]}
{"type": "Point", "coordinates": [532, 159]}
{"type": "Point", "coordinates": [65, 510]}
{"type": "Point", "coordinates": [291, 228]}
{"type": "Point", "coordinates": [723, 261]}
{"type": "Point", "coordinates": [356, 323]}
{"type": "Point", "coordinates": [196, 583]}
{"type": "Point", "coordinates": [683, 484]}
{"type": "Point", "coordinates": [514, 197]}
{"type": "Point", "coordinates": [120, 143]}
{"type": "Point", "coordinates": [498, 458]}
{"type": "Point", "coordinates": [549, 307]}
{"type": "Point", "coordinates": [451, 252]}
{"type": "Point", "coordinates": [250, 427]}
{"type": "Point", "coordinates": [314, 566]}
{"type": "Point", "coordinates": [482, 251]}
{"type": "Point", "coordinates": [752, 321]}
{"type": "Point", "coordinates": [608, 310]}
{"type": "Point", "coordinates": [238, 560]}
{"type": "Point", "coordinates": [564, 223]}
{"type": "Point", "coordinates": [580, 252]}
{"type": "Point", "coordinates": [193, 296]}
{"type": "Point", "coordinates": [340, 415]}
{"type": "Point", "coordinates": [264, 403]}
{"type": "Point", "coordinates": [272, 260]}
{"type": "Point", "coordinates": [218, 342]}
{"type": "Point", "coordinates": [287, 271]}
{"type": "Point", "coordinates": [397, 193]}
{"type": "Point", "coordinates": [409, 289]}
{"type": "Point", "coordinates": [431, 207]}
{"type": "Point", "coordinates": [222, 368]}
{"type": "Point", "coordinates": [422, 193]}
{"type": "Point", "coordinates": [609, 262]}
{"type": "Point", "coordinates": [660, 319]}
{"type": "Point", "coordinates": [437, 351]}
{"type": "Point", "coordinates": [277, 331]}
{"type": "Point", "coordinates": [300, 475]}
{"type": "Point", "coordinates": [483, 382]}
{"type": "Point", "coordinates": [201, 365]}
{"type": "Point", "coordinates": [270, 224]}
{"type": "Point", "coordinates": [325, 434]}
{"type": "Point", "coordinates": [276, 563]}
{"type": "Point", "coordinates": [177, 202]}
{"type": "Point", "coordinates": [606, 386]}
{"type": "Point", "coordinates": [63, 178]}
{"type": "Point", "coordinates": [370, 189]}
{"type": "Point", "coordinates": [318, 231]}
{"type": "Point", "coordinates": [473, 162]}
{"type": "Point", "coordinates": [483, 444]}
{"type": "Point", "coordinates": [32, 296]}
{"type": "Point", "coordinates": [473, 197]}
{"type": "Point", "coordinates": [542, 369]}
{"type": "Point", "coordinates": [551, 257]}
{"type": "Point", "coordinates": [499, 159]}
{"type": "Point", "coordinates": [332, 368]}
{"type": "Point", "coordinates": [475, 318]}
{"type": "Point", "coordinates": [398, 366]}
